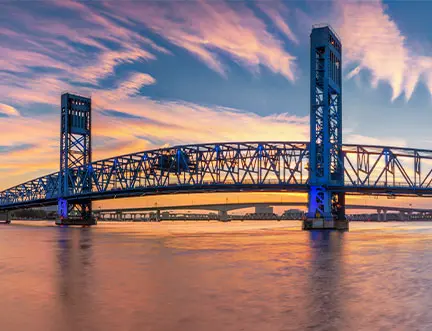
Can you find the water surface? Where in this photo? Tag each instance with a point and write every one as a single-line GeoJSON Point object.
{"type": "Point", "coordinates": [215, 276]}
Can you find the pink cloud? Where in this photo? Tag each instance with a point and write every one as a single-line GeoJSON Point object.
{"type": "Point", "coordinates": [373, 41]}
{"type": "Point", "coordinates": [274, 10]}
{"type": "Point", "coordinates": [174, 123]}
{"type": "Point", "coordinates": [45, 46]}
{"type": "Point", "coordinates": [206, 29]}
{"type": "Point", "coordinates": [8, 110]}
{"type": "Point", "coordinates": [130, 87]}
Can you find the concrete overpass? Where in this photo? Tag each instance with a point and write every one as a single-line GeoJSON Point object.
{"type": "Point", "coordinates": [222, 209]}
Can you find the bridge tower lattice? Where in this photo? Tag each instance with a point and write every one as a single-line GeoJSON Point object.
{"type": "Point", "coordinates": [75, 151]}
{"type": "Point", "coordinates": [326, 170]}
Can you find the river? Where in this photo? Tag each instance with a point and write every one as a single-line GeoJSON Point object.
{"type": "Point", "coordinates": [215, 276]}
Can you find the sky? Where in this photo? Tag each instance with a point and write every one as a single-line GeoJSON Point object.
{"type": "Point", "coordinates": [175, 72]}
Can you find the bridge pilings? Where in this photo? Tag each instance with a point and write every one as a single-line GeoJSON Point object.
{"type": "Point", "coordinates": [76, 213]}
{"type": "Point", "coordinates": [5, 217]}
{"type": "Point", "coordinates": [382, 215]}
{"type": "Point", "coordinates": [223, 215]}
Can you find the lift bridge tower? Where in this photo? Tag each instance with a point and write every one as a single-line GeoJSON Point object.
{"type": "Point", "coordinates": [326, 207]}
{"type": "Point", "coordinates": [75, 151]}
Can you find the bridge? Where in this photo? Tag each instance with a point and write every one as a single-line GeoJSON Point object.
{"type": "Point", "coordinates": [223, 208]}
{"type": "Point", "coordinates": [323, 167]}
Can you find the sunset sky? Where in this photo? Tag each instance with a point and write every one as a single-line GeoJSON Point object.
{"type": "Point", "coordinates": [175, 72]}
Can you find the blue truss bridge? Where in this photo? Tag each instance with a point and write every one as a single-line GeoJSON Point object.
{"type": "Point", "coordinates": [323, 167]}
{"type": "Point", "coordinates": [224, 167]}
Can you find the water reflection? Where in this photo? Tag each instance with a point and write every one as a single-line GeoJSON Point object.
{"type": "Point", "coordinates": [74, 267]}
{"type": "Point", "coordinates": [326, 304]}
{"type": "Point", "coordinates": [102, 279]}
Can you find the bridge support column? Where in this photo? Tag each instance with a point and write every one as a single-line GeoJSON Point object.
{"type": "Point", "coordinates": [223, 216]}
{"type": "Point", "coordinates": [326, 205]}
{"type": "Point", "coordinates": [5, 217]}
{"type": "Point", "coordinates": [77, 213]}
{"type": "Point", "coordinates": [382, 215]}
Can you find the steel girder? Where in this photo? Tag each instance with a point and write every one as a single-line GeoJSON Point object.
{"type": "Point", "coordinates": [231, 166]}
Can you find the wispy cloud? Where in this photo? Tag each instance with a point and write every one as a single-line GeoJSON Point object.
{"type": "Point", "coordinates": [373, 41]}
{"type": "Point", "coordinates": [45, 54]}
{"type": "Point", "coordinates": [10, 149]}
{"type": "Point", "coordinates": [207, 29]}
{"type": "Point", "coordinates": [7, 110]}
{"type": "Point", "coordinates": [353, 138]}
{"type": "Point", "coordinates": [277, 12]}
{"type": "Point", "coordinates": [129, 87]}
{"type": "Point", "coordinates": [180, 122]}
{"type": "Point", "coordinates": [86, 43]}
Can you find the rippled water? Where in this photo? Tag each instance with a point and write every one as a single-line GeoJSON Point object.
{"type": "Point", "coordinates": [215, 276]}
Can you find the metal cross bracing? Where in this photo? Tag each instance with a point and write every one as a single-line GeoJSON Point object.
{"type": "Point", "coordinates": [326, 161]}
{"type": "Point", "coordinates": [376, 167]}
{"type": "Point", "coordinates": [272, 166]}
{"type": "Point", "coordinates": [75, 151]}
{"type": "Point", "coordinates": [199, 165]}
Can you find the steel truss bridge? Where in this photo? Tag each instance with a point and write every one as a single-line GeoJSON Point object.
{"type": "Point", "coordinates": [222, 167]}
{"type": "Point", "coordinates": [324, 167]}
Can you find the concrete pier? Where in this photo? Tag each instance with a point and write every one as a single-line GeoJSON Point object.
{"type": "Point", "coordinates": [223, 216]}
{"type": "Point", "coordinates": [323, 224]}
{"type": "Point", "coordinates": [5, 217]}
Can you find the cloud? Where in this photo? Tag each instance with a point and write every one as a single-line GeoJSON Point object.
{"type": "Point", "coordinates": [176, 122]}
{"type": "Point", "coordinates": [10, 149]}
{"type": "Point", "coordinates": [7, 110]}
{"type": "Point", "coordinates": [353, 138]}
{"type": "Point", "coordinates": [209, 29]}
{"type": "Point", "coordinates": [91, 40]}
{"type": "Point", "coordinates": [81, 46]}
{"type": "Point", "coordinates": [129, 87]}
{"type": "Point", "coordinates": [373, 41]}
{"type": "Point", "coordinates": [274, 10]}
{"type": "Point", "coordinates": [120, 114]}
